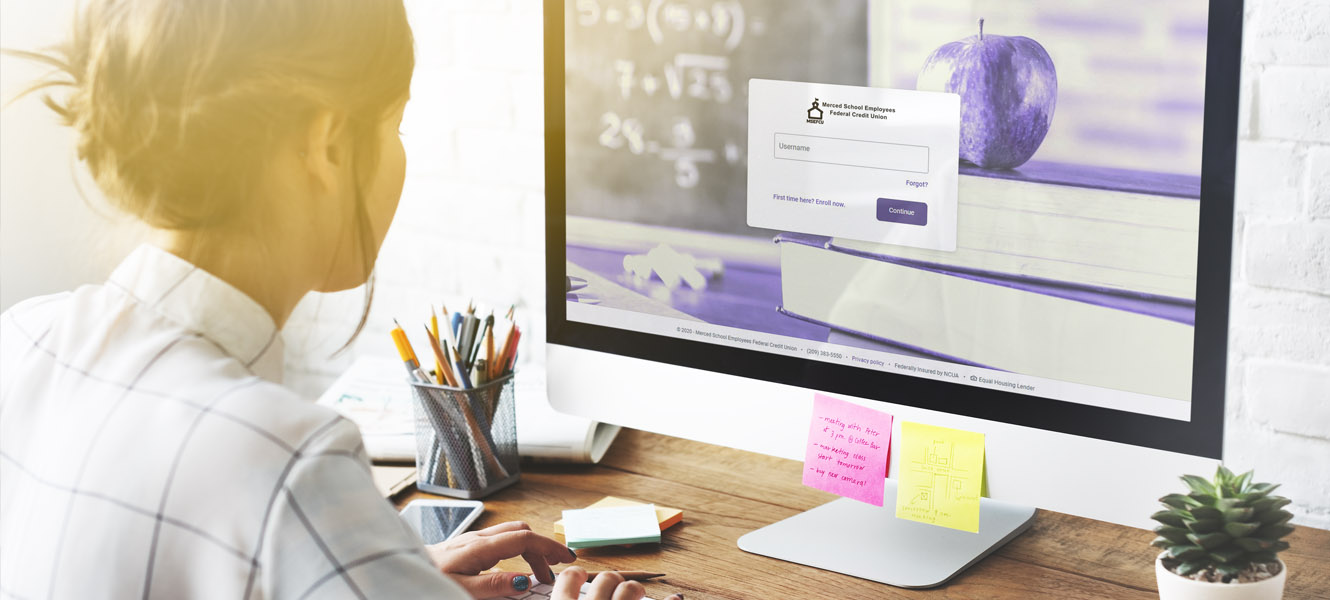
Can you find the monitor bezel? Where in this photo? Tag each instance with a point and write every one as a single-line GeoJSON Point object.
{"type": "Point", "coordinates": [1202, 435]}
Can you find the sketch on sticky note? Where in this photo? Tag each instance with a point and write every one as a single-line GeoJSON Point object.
{"type": "Point", "coordinates": [941, 476]}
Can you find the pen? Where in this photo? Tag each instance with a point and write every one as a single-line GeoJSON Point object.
{"type": "Point", "coordinates": [572, 284]}
{"type": "Point", "coordinates": [451, 331]}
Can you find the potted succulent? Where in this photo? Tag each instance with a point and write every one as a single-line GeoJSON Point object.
{"type": "Point", "coordinates": [1222, 540]}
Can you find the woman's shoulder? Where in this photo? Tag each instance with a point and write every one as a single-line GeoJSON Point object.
{"type": "Point", "coordinates": [280, 416]}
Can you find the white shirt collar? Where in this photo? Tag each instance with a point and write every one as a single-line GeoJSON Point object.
{"type": "Point", "coordinates": [198, 300]}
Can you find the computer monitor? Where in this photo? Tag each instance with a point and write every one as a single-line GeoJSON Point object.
{"type": "Point", "coordinates": [1005, 216]}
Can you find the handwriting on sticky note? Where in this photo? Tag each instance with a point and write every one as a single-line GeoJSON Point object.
{"type": "Point", "coordinates": [940, 475]}
{"type": "Point", "coordinates": [847, 450]}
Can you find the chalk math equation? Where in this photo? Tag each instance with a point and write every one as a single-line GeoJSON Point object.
{"type": "Point", "coordinates": [657, 98]}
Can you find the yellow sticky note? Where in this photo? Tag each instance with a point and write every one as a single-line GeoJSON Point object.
{"type": "Point", "coordinates": [941, 474]}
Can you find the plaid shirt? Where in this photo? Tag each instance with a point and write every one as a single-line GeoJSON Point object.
{"type": "Point", "coordinates": [147, 450]}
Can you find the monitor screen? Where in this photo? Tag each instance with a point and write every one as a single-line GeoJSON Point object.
{"type": "Point", "coordinates": [1017, 210]}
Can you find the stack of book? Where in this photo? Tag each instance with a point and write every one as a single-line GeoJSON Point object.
{"type": "Point", "coordinates": [1063, 272]}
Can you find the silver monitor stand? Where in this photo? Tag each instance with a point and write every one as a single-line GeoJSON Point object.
{"type": "Point", "coordinates": [866, 541]}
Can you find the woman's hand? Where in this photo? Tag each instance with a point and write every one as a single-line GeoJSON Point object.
{"type": "Point", "coordinates": [464, 557]}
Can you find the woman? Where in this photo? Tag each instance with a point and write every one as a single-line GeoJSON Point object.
{"type": "Point", "coordinates": [147, 448]}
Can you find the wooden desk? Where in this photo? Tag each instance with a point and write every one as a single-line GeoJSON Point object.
{"type": "Point", "coordinates": [726, 493]}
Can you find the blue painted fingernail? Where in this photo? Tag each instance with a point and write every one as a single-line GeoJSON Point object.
{"type": "Point", "coordinates": [570, 551]}
{"type": "Point", "coordinates": [521, 583]}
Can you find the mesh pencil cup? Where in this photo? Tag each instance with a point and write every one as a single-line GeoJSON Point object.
{"type": "Point", "coordinates": [466, 438]}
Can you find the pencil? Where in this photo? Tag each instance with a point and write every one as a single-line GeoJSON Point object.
{"type": "Point", "coordinates": [627, 575]}
{"type": "Point", "coordinates": [485, 339]}
{"type": "Point", "coordinates": [446, 375]}
{"type": "Point", "coordinates": [404, 350]}
{"type": "Point", "coordinates": [434, 338]}
{"type": "Point", "coordinates": [501, 368]}
{"type": "Point", "coordinates": [489, 354]}
{"type": "Point", "coordinates": [511, 360]}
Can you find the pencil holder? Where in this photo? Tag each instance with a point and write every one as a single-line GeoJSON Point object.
{"type": "Point", "coordinates": [466, 438]}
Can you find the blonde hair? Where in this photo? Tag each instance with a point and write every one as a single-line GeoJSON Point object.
{"type": "Point", "coordinates": [179, 105]}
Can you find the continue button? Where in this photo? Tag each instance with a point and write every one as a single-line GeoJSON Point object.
{"type": "Point", "coordinates": [902, 211]}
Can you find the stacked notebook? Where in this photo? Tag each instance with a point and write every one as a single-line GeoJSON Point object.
{"type": "Point", "coordinates": [1062, 272]}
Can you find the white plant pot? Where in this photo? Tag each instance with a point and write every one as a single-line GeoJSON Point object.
{"type": "Point", "coordinates": [1175, 587]}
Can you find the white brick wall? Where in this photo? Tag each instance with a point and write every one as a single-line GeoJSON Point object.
{"type": "Point", "coordinates": [479, 83]}
{"type": "Point", "coordinates": [1278, 418]}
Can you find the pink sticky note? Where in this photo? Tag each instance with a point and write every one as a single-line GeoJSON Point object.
{"type": "Point", "coordinates": [847, 450]}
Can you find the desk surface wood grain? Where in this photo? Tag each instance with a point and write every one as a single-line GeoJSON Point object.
{"type": "Point", "coordinates": [726, 493]}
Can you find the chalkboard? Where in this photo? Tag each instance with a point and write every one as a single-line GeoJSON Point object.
{"type": "Point", "coordinates": [657, 98]}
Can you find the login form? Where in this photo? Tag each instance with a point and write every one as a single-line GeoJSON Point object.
{"type": "Point", "coordinates": [871, 164]}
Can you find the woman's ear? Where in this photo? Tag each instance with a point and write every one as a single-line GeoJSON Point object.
{"type": "Point", "coordinates": [324, 152]}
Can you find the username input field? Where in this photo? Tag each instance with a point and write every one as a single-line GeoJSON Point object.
{"type": "Point", "coordinates": [852, 153]}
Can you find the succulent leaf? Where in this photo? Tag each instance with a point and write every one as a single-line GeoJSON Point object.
{"type": "Point", "coordinates": [1238, 514]}
{"type": "Point", "coordinates": [1244, 480]}
{"type": "Point", "coordinates": [1170, 517]}
{"type": "Point", "coordinates": [1262, 557]}
{"type": "Point", "coordinates": [1177, 535]}
{"type": "Point", "coordinates": [1239, 529]}
{"type": "Point", "coordinates": [1206, 526]}
{"type": "Point", "coordinates": [1192, 567]}
{"type": "Point", "coordinates": [1251, 544]}
{"type": "Point", "coordinates": [1199, 485]}
{"type": "Point", "coordinates": [1185, 552]}
{"type": "Point", "coordinates": [1269, 503]}
{"type": "Point", "coordinates": [1206, 513]}
{"type": "Point", "coordinates": [1209, 541]}
{"type": "Point", "coordinates": [1181, 501]}
{"type": "Point", "coordinates": [1264, 488]}
{"type": "Point", "coordinates": [1203, 499]}
{"type": "Point", "coordinates": [1273, 532]}
{"type": "Point", "coordinates": [1275, 517]}
{"type": "Point", "coordinates": [1228, 570]}
{"type": "Point", "coordinates": [1227, 555]}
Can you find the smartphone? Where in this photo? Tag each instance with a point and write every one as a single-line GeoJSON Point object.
{"type": "Point", "coordinates": [441, 520]}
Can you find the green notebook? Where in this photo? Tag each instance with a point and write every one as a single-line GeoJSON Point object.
{"type": "Point", "coordinates": [614, 526]}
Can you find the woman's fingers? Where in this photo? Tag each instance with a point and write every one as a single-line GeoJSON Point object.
{"type": "Point", "coordinates": [629, 590]}
{"type": "Point", "coordinates": [569, 584]}
{"type": "Point", "coordinates": [490, 585]}
{"type": "Point", "coordinates": [540, 566]}
{"type": "Point", "coordinates": [501, 528]}
{"type": "Point", "coordinates": [611, 586]}
{"type": "Point", "coordinates": [472, 555]}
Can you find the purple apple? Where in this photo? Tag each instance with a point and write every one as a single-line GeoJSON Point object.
{"type": "Point", "coordinates": [1008, 89]}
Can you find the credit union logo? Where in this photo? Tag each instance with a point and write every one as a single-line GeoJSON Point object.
{"type": "Point", "coordinates": [815, 113]}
